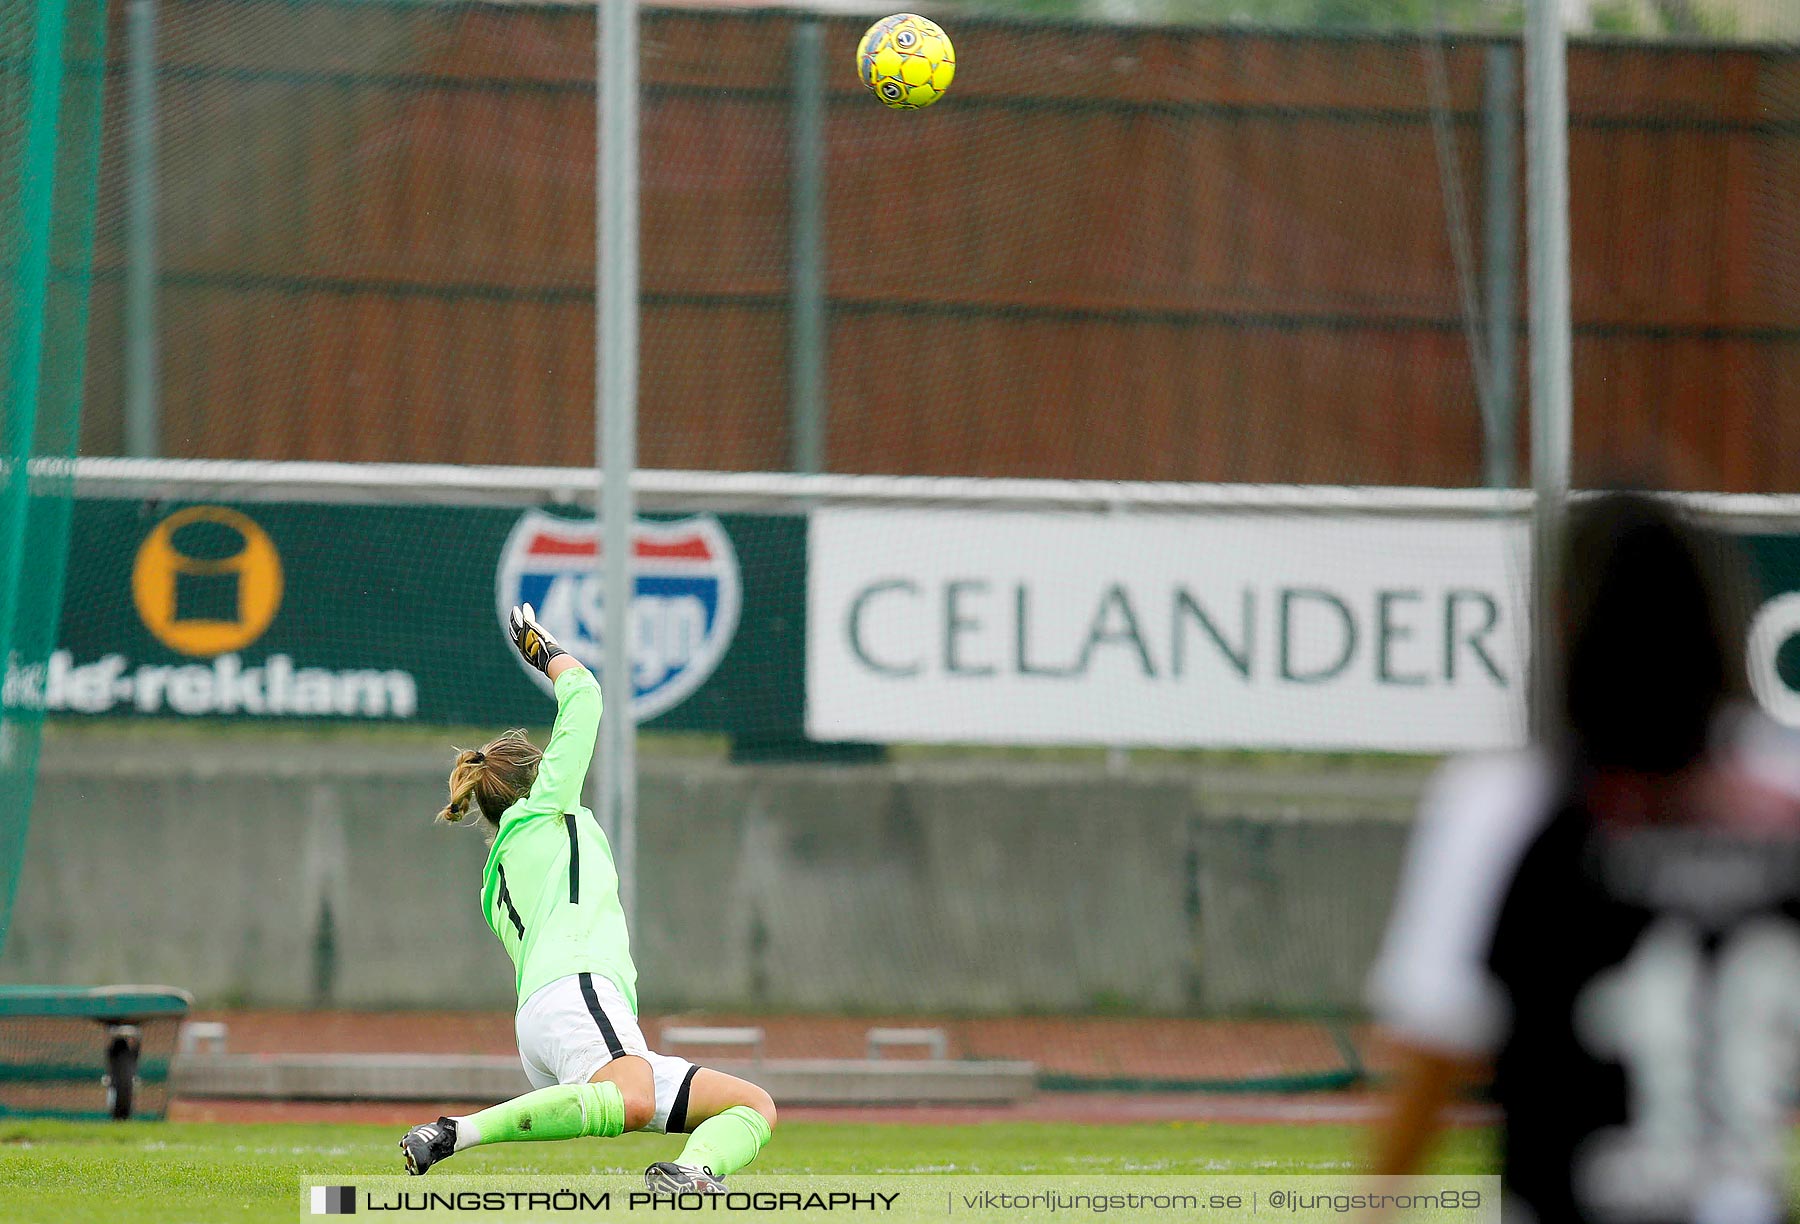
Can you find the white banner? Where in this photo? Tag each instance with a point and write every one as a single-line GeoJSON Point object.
{"type": "Point", "coordinates": [1251, 631]}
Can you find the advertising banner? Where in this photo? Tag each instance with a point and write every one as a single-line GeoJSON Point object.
{"type": "Point", "coordinates": [875, 626]}
{"type": "Point", "coordinates": [1248, 631]}
{"type": "Point", "coordinates": [1350, 633]}
{"type": "Point", "coordinates": [1772, 650]}
{"type": "Point", "coordinates": [388, 613]}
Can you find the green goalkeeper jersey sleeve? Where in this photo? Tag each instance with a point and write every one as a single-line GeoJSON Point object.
{"type": "Point", "coordinates": [549, 890]}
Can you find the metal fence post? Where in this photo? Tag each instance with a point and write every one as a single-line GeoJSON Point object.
{"type": "Point", "coordinates": [807, 338]}
{"type": "Point", "coordinates": [616, 382]}
{"type": "Point", "coordinates": [1500, 254]}
{"type": "Point", "coordinates": [1547, 209]}
{"type": "Point", "coordinates": [143, 409]}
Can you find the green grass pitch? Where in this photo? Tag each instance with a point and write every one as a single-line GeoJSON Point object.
{"type": "Point", "coordinates": [218, 1173]}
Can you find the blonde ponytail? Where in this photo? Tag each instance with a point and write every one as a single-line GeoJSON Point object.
{"type": "Point", "coordinates": [492, 778]}
{"type": "Point", "coordinates": [465, 776]}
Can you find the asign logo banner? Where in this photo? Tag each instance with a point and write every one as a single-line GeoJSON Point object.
{"type": "Point", "coordinates": [684, 612]}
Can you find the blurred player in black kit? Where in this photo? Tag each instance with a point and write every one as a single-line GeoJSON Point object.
{"type": "Point", "coordinates": [1610, 921]}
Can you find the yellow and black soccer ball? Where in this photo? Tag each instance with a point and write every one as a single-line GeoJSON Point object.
{"type": "Point", "coordinates": [906, 61]}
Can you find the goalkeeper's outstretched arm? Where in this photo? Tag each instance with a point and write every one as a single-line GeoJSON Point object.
{"type": "Point", "coordinates": [557, 788]}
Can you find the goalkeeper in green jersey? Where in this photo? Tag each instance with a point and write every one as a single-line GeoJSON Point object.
{"type": "Point", "coordinates": [551, 895]}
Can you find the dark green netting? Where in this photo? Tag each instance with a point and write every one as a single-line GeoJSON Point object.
{"type": "Point", "coordinates": [50, 106]}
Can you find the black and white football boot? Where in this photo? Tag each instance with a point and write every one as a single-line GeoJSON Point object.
{"type": "Point", "coordinates": [666, 1177]}
{"type": "Point", "coordinates": [428, 1143]}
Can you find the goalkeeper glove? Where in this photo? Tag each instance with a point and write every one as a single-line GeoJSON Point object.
{"type": "Point", "coordinates": [532, 639]}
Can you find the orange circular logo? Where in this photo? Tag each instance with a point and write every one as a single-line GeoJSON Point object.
{"type": "Point", "coordinates": [205, 606]}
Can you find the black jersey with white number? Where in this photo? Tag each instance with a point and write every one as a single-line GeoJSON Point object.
{"type": "Point", "coordinates": [1638, 987]}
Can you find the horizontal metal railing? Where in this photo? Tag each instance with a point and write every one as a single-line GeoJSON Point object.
{"type": "Point", "coordinates": [251, 480]}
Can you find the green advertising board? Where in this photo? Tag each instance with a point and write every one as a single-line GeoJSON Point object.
{"type": "Point", "coordinates": [1773, 650]}
{"type": "Point", "coordinates": [388, 613]}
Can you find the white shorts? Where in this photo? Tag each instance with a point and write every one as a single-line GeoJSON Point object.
{"type": "Point", "coordinates": [572, 1027]}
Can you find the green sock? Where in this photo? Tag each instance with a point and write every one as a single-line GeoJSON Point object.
{"type": "Point", "coordinates": [727, 1141]}
{"type": "Point", "coordinates": [564, 1111]}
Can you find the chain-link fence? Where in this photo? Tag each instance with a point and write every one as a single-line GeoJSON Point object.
{"type": "Point", "coordinates": [1074, 514]}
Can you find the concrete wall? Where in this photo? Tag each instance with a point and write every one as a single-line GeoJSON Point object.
{"type": "Point", "coordinates": [308, 872]}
